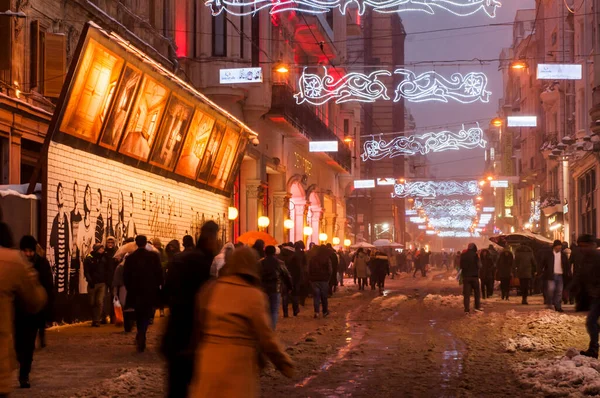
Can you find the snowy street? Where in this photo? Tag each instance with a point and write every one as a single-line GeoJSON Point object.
{"type": "Point", "coordinates": [415, 341]}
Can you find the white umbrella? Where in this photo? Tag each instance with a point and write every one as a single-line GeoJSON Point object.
{"type": "Point", "coordinates": [130, 247]}
{"type": "Point", "coordinates": [382, 243]}
{"type": "Point", "coordinates": [364, 245]}
{"type": "Point", "coordinates": [396, 244]}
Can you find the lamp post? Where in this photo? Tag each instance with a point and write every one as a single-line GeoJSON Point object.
{"type": "Point", "coordinates": [336, 241]}
{"type": "Point", "coordinates": [232, 215]}
{"type": "Point", "coordinates": [308, 231]}
{"type": "Point", "coordinates": [323, 237]}
{"type": "Point", "coordinates": [263, 223]}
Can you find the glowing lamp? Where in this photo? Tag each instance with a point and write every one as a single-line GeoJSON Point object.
{"type": "Point", "coordinates": [519, 65]}
{"type": "Point", "coordinates": [336, 241]}
{"type": "Point", "coordinates": [323, 237]}
{"type": "Point", "coordinates": [497, 122]}
{"type": "Point", "coordinates": [307, 231]}
{"type": "Point", "coordinates": [288, 224]}
{"type": "Point", "coordinates": [481, 183]}
{"type": "Point", "coordinates": [280, 67]}
{"type": "Point", "coordinates": [263, 222]}
{"type": "Point", "coordinates": [232, 213]}
{"type": "Point", "coordinates": [490, 178]}
{"type": "Point", "coordinates": [348, 139]}
{"type": "Point", "coordinates": [347, 242]}
{"type": "Point", "coordinates": [479, 198]}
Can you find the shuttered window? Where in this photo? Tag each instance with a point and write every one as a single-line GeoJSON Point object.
{"type": "Point", "coordinates": [5, 36]}
{"type": "Point", "coordinates": [55, 63]}
{"type": "Point", "coordinates": [34, 54]}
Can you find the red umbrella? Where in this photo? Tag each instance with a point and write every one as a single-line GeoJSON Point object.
{"type": "Point", "coordinates": [250, 237]}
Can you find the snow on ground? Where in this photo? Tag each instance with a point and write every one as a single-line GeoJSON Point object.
{"type": "Point", "coordinates": [576, 376]}
{"type": "Point", "coordinates": [446, 301]}
{"type": "Point", "coordinates": [136, 382]}
{"type": "Point", "coordinates": [539, 330]}
{"type": "Point", "coordinates": [390, 302]}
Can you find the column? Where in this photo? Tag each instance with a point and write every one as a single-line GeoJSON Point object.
{"type": "Point", "coordinates": [315, 223]}
{"type": "Point", "coordinates": [299, 217]}
{"type": "Point", "coordinates": [253, 197]}
{"type": "Point", "coordinates": [280, 212]}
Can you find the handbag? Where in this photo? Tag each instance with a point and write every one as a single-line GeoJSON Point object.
{"type": "Point", "coordinates": [515, 282]}
{"type": "Point", "coordinates": [118, 312]}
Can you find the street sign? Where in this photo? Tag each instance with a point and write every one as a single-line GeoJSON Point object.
{"type": "Point", "coordinates": [240, 75]}
{"type": "Point", "coordinates": [323, 146]}
{"type": "Point", "coordinates": [559, 71]}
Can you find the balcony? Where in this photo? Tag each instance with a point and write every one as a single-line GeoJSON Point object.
{"type": "Point", "coordinates": [303, 119]}
{"type": "Point", "coordinates": [595, 116]}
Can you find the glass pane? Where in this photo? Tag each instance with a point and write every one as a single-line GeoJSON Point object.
{"type": "Point", "coordinates": [123, 101]}
{"type": "Point", "coordinates": [171, 133]}
{"type": "Point", "coordinates": [145, 118]}
{"type": "Point", "coordinates": [225, 159]}
{"type": "Point", "coordinates": [93, 89]}
{"type": "Point", "coordinates": [211, 151]}
{"type": "Point", "coordinates": [195, 144]}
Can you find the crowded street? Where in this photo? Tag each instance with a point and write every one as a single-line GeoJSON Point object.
{"type": "Point", "coordinates": [413, 341]}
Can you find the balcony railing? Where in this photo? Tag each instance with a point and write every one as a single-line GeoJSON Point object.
{"type": "Point", "coordinates": [304, 119]}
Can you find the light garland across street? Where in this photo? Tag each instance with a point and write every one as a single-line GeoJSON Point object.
{"type": "Point", "coordinates": [407, 145]}
{"type": "Point", "coordinates": [459, 8]}
{"type": "Point", "coordinates": [317, 89]}
{"type": "Point", "coordinates": [443, 207]}
{"type": "Point", "coordinates": [434, 189]}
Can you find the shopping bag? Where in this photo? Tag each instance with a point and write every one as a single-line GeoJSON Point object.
{"type": "Point", "coordinates": [515, 282]}
{"type": "Point", "coordinates": [118, 312]}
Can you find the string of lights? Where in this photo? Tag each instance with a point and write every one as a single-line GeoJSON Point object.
{"type": "Point", "coordinates": [434, 189]}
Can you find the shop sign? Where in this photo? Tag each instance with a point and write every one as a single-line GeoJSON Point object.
{"type": "Point", "coordinates": [522, 121]}
{"type": "Point", "coordinates": [499, 184]}
{"type": "Point", "coordinates": [362, 184]}
{"type": "Point", "coordinates": [240, 75]}
{"type": "Point", "coordinates": [559, 71]}
{"type": "Point", "coordinates": [323, 146]}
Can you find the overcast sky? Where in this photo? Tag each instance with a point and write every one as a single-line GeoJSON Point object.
{"type": "Point", "coordinates": [460, 44]}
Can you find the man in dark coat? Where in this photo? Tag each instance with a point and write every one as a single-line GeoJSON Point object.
{"type": "Point", "coordinates": [274, 278]}
{"type": "Point", "coordinates": [290, 293]}
{"type": "Point", "coordinates": [380, 268]}
{"type": "Point", "coordinates": [111, 265]}
{"type": "Point", "coordinates": [554, 267]}
{"type": "Point", "coordinates": [186, 273]}
{"type": "Point", "coordinates": [587, 280]}
{"type": "Point", "coordinates": [142, 276]}
{"type": "Point", "coordinates": [95, 272]}
{"type": "Point", "coordinates": [319, 274]}
{"type": "Point", "coordinates": [26, 324]}
{"type": "Point", "coordinates": [335, 263]}
{"type": "Point", "coordinates": [525, 266]}
{"type": "Point", "coordinates": [469, 264]}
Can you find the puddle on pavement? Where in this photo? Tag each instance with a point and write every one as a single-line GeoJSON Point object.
{"type": "Point", "coordinates": [452, 365]}
{"type": "Point", "coordinates": [355, 333]}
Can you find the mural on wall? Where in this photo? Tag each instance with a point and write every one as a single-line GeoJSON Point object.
{"type": "Point", "coordinates": [157, 210]}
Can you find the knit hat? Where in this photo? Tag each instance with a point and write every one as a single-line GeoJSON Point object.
{"type": "Point", "coordinates": [111, 238]}
{"type": "Point", "coordinates": [97, 247]}
{"type": "Point", "coordinates": [28, 242]}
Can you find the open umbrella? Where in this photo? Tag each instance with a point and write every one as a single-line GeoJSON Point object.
{"type": "Point", "coordinates": [526, 238]}
{"type": "Point", "coordinates": [382, 243]}
{"type": "Point", "coordinates": [248, 238]}
{"type": "Point", "coordinates": [364, 245]}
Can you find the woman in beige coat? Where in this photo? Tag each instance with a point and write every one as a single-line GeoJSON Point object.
{"type": "Point", "coordinates": [232, 328]}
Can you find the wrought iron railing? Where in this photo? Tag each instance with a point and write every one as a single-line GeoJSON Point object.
{"type": "Point", "coordinates": [306, 121]}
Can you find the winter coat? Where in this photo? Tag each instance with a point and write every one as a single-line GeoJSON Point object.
{"type": "Point", "coordinates": [546, 266]}
{"type": "Point", "coordinates": [319, 270]}
{"type": "Point", "coordinates": [18, 281]}
{"type": "Point", "coordinates": [143, 278]}
{"type": "Point", "coordinates": [335, 263]}
{"type": "Point", "coordinates": [360, 265]}
{"type": "Point", "coordinates": [94, 267]}
{"type": "Point", "coordinates": [505, 265]}
{"type": "Point", "coordinates": [296, 265]}
{"type": "Point", "coordinates": [188, 271]}
{"type": "Point", "coordinates": [42, 267]}
{"type": "Point", "coordinates": [488, 266]}
{"type": "Point", "coordinates": [524, 262]}
{"type": "Point", "coordinates": [275, 277]}
{"type": "Point", "coordinates": [587, 279]}
{"type": "Point", "coordinates": [233, 326]}
{"type": "Point", "coordinates": [380, 266]}
{"type": "Point", "coordinates": [424, 258]}
{"type": "Point", "coordinates": [469, 263]}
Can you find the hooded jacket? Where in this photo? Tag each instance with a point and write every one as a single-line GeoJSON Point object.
{"type": "Point", "coordinates": [505, 265]}
{"type": "Point", "coordinates": [469, 262]}
{"type": "Point", "coordinates": [360, 265]}
{"type": "Point", "coordinates": [524, 262]}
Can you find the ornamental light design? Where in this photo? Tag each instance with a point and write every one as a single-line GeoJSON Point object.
{"type": "Point", "coordinates": [450, 222]}
{"type": "Point", "coordinates": [456, 7]}
{"type": "Point", "coordinates": [408, 145]}
{"type": "Point", "coordinates": [318, 89]}
{"type": "Point", "coordinates": [444, 207]}
{"type": "Point", "coordinates": [434, 189]}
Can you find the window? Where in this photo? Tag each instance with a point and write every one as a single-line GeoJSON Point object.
{"type": "Point", "coordinates": [346, 126]}
{"type": "Point", "coordinates": [54, 63]}
{"type": "Point", "coordinates": [587, 202]}
{"type": "Point", "coordinates": [4, 160]}
{"type": "Point", "coordinates": [219, 36]}
{"type": "Point", "coordinates": [554, 38]}
{"type": "Point", "coordinates": [6, 25]}
{"type": "Point", "coordinates": [243, 33]}
{"type": "Point", "coordinates": [255, 34]}
{"type": "Point", "coordinates": [34, 54]}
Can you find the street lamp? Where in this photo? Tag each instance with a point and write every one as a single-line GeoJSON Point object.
{"type": "Point", "coordinates": [347, 243]}
{"type": "Point", "coordinates": [496, 122]}
{"type": "Point", "coordinates": [232, 213]}
{"type": "Point", "coordinates": [288, 224]}
{"type": "Point", "coordinates": [263, 222]}
{"type": "Point", "coordinates": [336, 241]}
{"type": "Point", "coordinates": [323, 237]}
{"type": "Point", "coordinates": [519, 65]}
{"type": "Point", "coordinates": [280, 67]}
{"type": "Point", "coordinates": [308, 231]}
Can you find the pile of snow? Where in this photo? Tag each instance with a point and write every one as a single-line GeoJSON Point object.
{"type": "Point", "coordinates": [448, 301]}
{"type": "Point", "coordinates": [388, 303]}
{"type": "Point", "coordinates": [526, 343]}
{"type": "Point", "coordinates": [567, 376]}
{"type": "Point", "coordinates": [127, 383]}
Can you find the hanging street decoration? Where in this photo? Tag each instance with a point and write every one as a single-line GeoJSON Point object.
{"type": "Point", "coordinates": [450, 222]}
{"type": "Point", "coordinates": [458, 234]}
{"type": "Point", "coordinates": [457, 7]}
{"type": "Point", "coordinates": [408, 145]}
{"type": "Point", "coordinates": [433, 189]}
{"type": "Point", "coordinates": [359, 87]}
{"type": "Point", "coordinates": [443, 207]}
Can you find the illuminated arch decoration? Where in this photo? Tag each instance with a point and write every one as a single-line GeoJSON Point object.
{"type": "Point", "coordinates": [443, 207]}
{"type": "Point", "coordinates": [458, 234]}
{"type": "Point", "coordinates": [434, 189]}
{"type": "Point", "coordinates": [424, 144]}
{"type": "Point", "coordinates": [358, 87]}
{"type": "Point", "coordinates": [450, 222]}
{"type": "Point", "coordinates": [456, 7]}
{"type": "Point", "coordinates": [431, 86]}
{"type": "Point", "coordinates": [315, 89]}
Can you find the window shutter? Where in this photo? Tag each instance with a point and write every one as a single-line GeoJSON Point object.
{"type": "Point", "coordinates": [34, 54]}
{"type": "Point", "coordinates": [6, 24]}
{"type": "Point", "coordinates": [55, 63]}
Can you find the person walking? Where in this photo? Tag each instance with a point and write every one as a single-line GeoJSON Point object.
{"type": "Point", "coordinates": [111, 265]}
{"type": "Point", "coordinates": [164, 261]}
{"type": "Point", "coordinates": [187, 273]}
{"type": "Point", "coordinates": [94, 267]}
{"type": "Point", "coordinates": [425, 260]}
{"type": "Point", "coordinates": [20, 292]}
{"type": "Point", "coordinates": [274, 278]}
{"type": "Point", "coordinates": [259, 248]}
{"type": "Point", "coordinates": [120, 295]}
{"type": "Point", "coordinates": [469, 264]}
{"type": "Point", "coordinates": [335, 262]}
{"type": "Point", "coordinates": [290, 293]}
{"type": "Point", "coordinates": [142, 275]}
{"type": "Point", "coordinates": [587, 281]}
{"type": "Point", "coordinates": [554, 268]}
{"type": "Point", "coordinates": [233, 332]}
{"type": "Point", "coordinates": [319, 273]}
{"type": "Point", "coordinates": [27, 325]}
{"type": "Point", "coordinates": [487, 273]}
{"type": "Point", "coordinates": [381, 268]}
{"type": "Point", "coordinates": [188, 243]}
{"type": "Point", "coordinates": [504, 272]}
{"type": "Point", "coordinates": [525, 266]}
{"type": "Point", "coordinates": [302, 283]}
{"type": "Point", "coordinates": [361, 261]}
